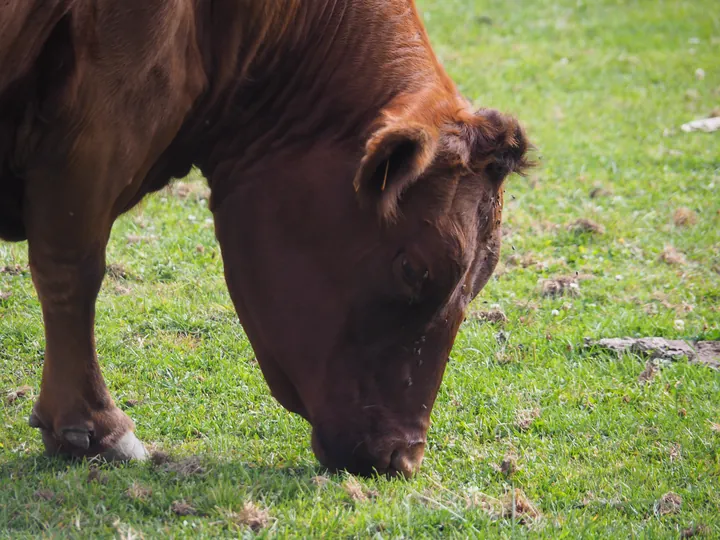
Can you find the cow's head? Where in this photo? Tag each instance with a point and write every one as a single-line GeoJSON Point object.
{"type": "Point", "coordinates": [351, 271]}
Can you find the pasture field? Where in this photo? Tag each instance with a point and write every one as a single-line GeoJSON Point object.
{"type": "Point", "coordinates": [533, 435]}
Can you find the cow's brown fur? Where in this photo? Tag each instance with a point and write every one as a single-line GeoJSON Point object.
{"type": "Point", "coordinates": [341, 160]}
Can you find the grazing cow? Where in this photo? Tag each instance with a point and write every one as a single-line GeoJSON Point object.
{"type": "Point", "coordinates": [357, 197]}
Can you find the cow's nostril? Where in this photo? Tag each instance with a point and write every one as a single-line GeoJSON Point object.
{"type": "Point", "coordinates": [406, 460]}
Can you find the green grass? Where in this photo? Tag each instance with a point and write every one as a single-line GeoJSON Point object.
{"type": "Point", "coordinates": [603, 88]}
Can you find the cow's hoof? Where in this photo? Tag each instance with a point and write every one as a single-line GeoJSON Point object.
{"type": "Point", "coordinates": [127, 448]}
{"type": "Point", "coordinates": [79, 443]}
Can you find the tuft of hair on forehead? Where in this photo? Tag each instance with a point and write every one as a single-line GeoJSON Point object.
{"type": "Point", "coordinates": [488, 141]}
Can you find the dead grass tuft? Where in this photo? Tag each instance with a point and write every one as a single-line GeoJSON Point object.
{"type": "Point", "coordinates": [251, 516]}
{"type": "Point", "coordinates": [185, 467]}
{"type": "Point", "coordinates": [13, 270]}
{"type": "Point", "coordinates": [182, 508]}
{"type": "Point", "coordinates": [648, 374]}
{"type": "Point", "coordinates": [560, 286]}
{"type": "Point", "coordinates": [17, 394]}
{"type": "Point", "coordinates": [117, 271]}
{"type": "Point", "coordinates": [582, 225]}
{"type": "Point", "coordinates": [495, 316]}
{"type": "Point", "coordinates": [516, 505]}
{"type": "Point", "coordinates": [672, 256]}
{"type": "Point", "coordinates": [695, 530]}
{"type": "Point", "coordinates": [525, 418]}
{"type": "Point", "coordinates": [670, 503]}
{"type": "Point", "coordinates": [684, 217]}
{"type": "Point", "coordinates": [138, 492]}
{"type": "Point", "coordinates": [357, 491]}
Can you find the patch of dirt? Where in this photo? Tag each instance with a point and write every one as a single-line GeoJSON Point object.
{"type": "Point", "coordinates": [18, 393]}
{"type": "Point", "coordinates": [670, 503]}
{"type": "Point", "coordinates": [138, 492]}
{"type": "Point", "coordinates": [560, 286]}
{"type": "Point", "coordinates": [182, 508]}
{"type": "Point", "coordinates": [525, 418]}
{"type": "Point", "coordinates": [684, 217]}
{"type": "Point", "coordinates": [583, 225]}
{"type": "Point", "coordinates": [495, 316]}
{"type": "Point", "coordinates": [251, 516]}
{"type": "Point", "coordinates": [715, 427]}
{"type": "Point", "coordinates": [356, 491]}
{"type": "Point", "coordinates": [672, 256]}
{"type": "Point", "coordinates": [4, 295]}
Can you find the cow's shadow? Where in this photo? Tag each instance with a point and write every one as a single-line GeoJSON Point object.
{"type": "Point", "coordinates": [56, 484]}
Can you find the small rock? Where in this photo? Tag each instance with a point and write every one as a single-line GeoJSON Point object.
{"type": "Point", "coordinates": [708, 353]}
{"type": "Point", "coordinates": [666, 349]}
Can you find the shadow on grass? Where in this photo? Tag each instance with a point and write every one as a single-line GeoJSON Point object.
{"type": "Point", "coordinates": [40, 494]}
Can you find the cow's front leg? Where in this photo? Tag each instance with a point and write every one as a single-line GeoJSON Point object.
{"type": "Point", "coordinates": [67, 236]}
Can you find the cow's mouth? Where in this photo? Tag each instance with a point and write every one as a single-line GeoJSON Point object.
{"type": "Point", "coordinates": [398, 457]}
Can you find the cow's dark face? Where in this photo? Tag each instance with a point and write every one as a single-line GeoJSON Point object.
{"type": "Point", "coordinates": [352, 292]}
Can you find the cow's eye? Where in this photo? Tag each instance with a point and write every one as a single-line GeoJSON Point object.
{"type": "Point", "coordinates": [412, 275]}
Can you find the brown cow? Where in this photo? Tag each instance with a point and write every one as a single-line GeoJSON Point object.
{"type": "Point", "coordinates": [357, 197]}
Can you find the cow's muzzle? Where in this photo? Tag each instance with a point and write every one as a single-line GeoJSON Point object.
{"type": "Point", "coordinates": [391, 456]}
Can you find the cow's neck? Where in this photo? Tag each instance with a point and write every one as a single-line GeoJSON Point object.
{"type": "Point", "coordinates": [305, 71]}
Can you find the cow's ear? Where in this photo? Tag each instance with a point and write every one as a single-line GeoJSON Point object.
{"type": "Point", "coordinates": [395, 157]}
{"type": "Point", "coordinates": [490, 143]}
